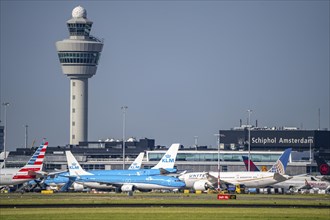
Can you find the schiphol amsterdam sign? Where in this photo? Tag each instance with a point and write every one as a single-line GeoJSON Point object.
{"type": "Point", "coordinates": [280, 140]}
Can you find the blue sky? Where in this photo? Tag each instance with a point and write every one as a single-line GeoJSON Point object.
{"type": "Point", "coordinates": [183, 68]}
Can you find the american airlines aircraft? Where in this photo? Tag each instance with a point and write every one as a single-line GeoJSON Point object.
{"type": "Point", "coordinates": [205, 180]}
{"type": "Point", "coordinates": [14, 176]}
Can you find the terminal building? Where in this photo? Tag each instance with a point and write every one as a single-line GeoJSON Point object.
{"type": "Point", "coordinates": [265, 148]}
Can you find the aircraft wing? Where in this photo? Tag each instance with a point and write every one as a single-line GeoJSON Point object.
{"type": "Point", "coordinates": [280, 178]}
{"type": "Point", "coordinates": [41, 173]}
{"type": "Point", "coordinates": [214, 182]}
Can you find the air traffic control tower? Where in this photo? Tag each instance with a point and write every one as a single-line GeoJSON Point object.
{"type": "Point", "coordinates": [79, 56]}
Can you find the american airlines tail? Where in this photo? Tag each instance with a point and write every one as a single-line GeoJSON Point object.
{"type": "Point", "coordinates": [136, 165]}
{"type": "Point", "coordinates": [74, 167]}
{"type": "Point", "coordinates": [168, 160]}
{"type": "Point", "coordinates": [30, 170]}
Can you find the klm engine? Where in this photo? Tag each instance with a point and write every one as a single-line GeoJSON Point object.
{"type": "Point", "coordinates": [78, 187]}
{"type": "Point", "coordinates": [127, 188]}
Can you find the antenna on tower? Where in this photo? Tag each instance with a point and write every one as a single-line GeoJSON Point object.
{"type": "Point", "coordinates": [319, 119]}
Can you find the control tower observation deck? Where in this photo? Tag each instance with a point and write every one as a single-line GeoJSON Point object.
{"type": "Point", "coordinates": [79, 56]}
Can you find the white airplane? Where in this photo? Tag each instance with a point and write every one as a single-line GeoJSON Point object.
{"type": "Point", "coordinates": [33, 169]}
{"type": "Point", "coordinates": [205, 180]}
{"type": "Point", "coordinates": [3, 156]}
{"type": "Point", "coordinates": [297, 182]}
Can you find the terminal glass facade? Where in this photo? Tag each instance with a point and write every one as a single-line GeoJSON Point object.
{"type": "Point", "coordinates": [233, 156]}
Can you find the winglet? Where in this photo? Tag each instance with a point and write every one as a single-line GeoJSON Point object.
{"type": "Point", "coordinates": [168, 160]}
{"type": "Point", "coordinates": [74, 167]}
{"type": "Point", "coordinates": [136, 165]}
{"type": "Point", "coordinates": [281, 163]}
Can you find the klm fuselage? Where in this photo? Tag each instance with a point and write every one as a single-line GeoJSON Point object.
{"type": "Point", "coordinates": [139, 182]}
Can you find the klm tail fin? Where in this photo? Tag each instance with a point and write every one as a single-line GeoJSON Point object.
{"type": "Point", "coordinates": [34, 165]}
{"type": "Point", "coordinates": [168, 160]}
{"type": "Point", "coordinates": [136, 165]}
{"type": "Point", "coordinates": [281, 163]}
{"type": "Point", "coordinates": [322, 165]}
{"type": "Point", "coordinates": [74, 167]}
{"type": "Point", "coordinates": [253, 167]}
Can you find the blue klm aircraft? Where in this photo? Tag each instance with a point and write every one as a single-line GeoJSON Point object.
{"type": "Point", "coordinates": [165, 166]}
{"type": "Point", "coordinates": [124, 183]}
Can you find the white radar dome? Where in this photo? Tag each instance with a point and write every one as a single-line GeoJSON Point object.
{"type": "Point", "coordinates": [79, 12]}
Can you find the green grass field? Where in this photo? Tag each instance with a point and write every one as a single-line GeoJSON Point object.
{"type": "Point", "coordinates": [158, 212]}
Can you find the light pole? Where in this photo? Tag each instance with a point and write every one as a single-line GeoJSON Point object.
{"type": "Point", "coordinates": [218, 143]}
{"type": "Point", "coordinates": [26, 135]}
{"type": "Point", "coordinates": [310, 140]}
{"type": "Point", "coordinates": [5, 133]}
{"type": "Point", "coordinates": [196, 141]}
{"type": "Point", "coordinates": [124, 108]}
{"type": "Point", "coordinates": [249, 137]}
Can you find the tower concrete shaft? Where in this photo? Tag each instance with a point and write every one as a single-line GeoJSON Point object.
{"type": "Point", "coordinates": [79, 56]}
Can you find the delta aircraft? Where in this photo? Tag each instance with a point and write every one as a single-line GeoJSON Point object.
{"type": "Point", "coordinates": [205, 180]}
{"type": "Point", "coordinates": [32, 170]}
{"type": "Point", "coordinates": [298, 182]}
{"type": "Point", "coordinates": [124, 183]}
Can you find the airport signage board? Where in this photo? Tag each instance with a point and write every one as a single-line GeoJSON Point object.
{"type": "Point", "coordinates": [269, 138]}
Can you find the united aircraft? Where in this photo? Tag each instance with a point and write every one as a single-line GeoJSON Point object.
{"type": "Point", "coordinates": [205, 180]}
{"type": "Point", "coordinates": [124, 183]}
{"type": "Point", "coordinates": [33, 169]}
{"type": "Point", "coordinates": [298, 182]}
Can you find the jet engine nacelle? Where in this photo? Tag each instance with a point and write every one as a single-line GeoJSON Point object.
{"type": "Point", "coordinates": [200, 185]}
{"type": "Point", "coordinates": [127, 188]}
{"type": "Point", "coordinates": [78, 187]}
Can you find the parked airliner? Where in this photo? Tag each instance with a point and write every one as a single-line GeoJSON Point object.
{"type": "Point", "coordinates": [33, 169]}
{"type": "Point", "coordinates": [298, 182]}
{"type": "Point", "coordinates": [164, 166]}
{"type": "Point", "coordinates": [205, 180]}
{"type": "Point", "coordinates": [124, 183]}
